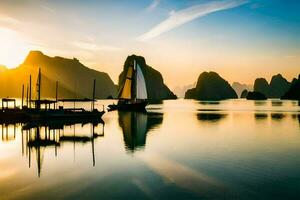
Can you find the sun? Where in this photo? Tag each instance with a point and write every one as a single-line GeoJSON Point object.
{"type": "Point", "coordinates": [13, 49]}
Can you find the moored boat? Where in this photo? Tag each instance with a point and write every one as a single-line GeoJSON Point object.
{"type": "Point", "coordinates": [133, 93]}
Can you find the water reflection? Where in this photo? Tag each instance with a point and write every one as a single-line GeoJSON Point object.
{"type": "Point", "coordinates": [209, 102]}
{"type": "Point", "coordinates": [37, 136]}
{"type": "Point", "coordinates": [260, 116]}
{"type": "Point", "coordinates": [225, 153]}
{"type": "Point", "coordinates": [276, 103]}
{"type": "Point", "coordinates": [135, 126]}
{"type": "Point", "coordinates": [210, 117]}
{"type": "Point", "coordinates": [260, 102]}
{"type": "Point", "coordinates": [8, 132]}
{"type": "Point", "coordinates": [277, 116]}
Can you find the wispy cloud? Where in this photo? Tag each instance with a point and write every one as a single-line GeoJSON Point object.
{"type": "Point", "coordinates": [8, 20]}
{"type": "Point", "coordinates": [153, 5]}
{"type": "Point", "coordinates": [188, 14]}
{"type": "Point", "coordinates": [94, 47]}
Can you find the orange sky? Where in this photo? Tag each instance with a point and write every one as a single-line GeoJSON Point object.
{"type": "Point", "coordinates": [235, 38]}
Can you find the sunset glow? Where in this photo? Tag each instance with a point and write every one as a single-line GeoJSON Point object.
{"type": "Point", "coordinates": [242, 40]}
{"type": "Point", "coordinates": [13, 49]}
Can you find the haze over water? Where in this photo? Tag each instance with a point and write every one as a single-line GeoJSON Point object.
{"type": "Point", "coordinates": [179, 149]}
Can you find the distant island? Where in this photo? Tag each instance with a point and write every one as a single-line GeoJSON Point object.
{"type": "Point", "coordinates": [210, 86]}
{"type": "Point", "coordinates": [294, 91]}
{"type": "Point", "coordinates": [239, 88]}
{"type": "Point", "coordinates": [276, 89]}
{"type": "Point", "coordinates": [76, 80]}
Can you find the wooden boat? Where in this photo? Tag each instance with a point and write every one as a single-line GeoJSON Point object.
{"type": "Point", "coordinates": [133, 93]}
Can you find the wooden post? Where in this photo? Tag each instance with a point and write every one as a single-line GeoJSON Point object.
{"type": "Point", "coordinates": [22, 96]}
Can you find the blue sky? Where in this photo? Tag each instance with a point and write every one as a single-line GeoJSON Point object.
{"type": "Point", "coordinates": [240, 39]}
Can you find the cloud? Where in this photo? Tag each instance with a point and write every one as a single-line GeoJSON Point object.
{"type": "Point", "coordinates": [94, 47]}
{"type": "Point", "coordinates": [183, 16]}
{"type": "Point", "coordinates": [153, 5]}
{"type": "Point", "coordinates": [8, 20]}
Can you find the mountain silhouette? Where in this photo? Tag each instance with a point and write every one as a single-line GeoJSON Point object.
{"type": "Point", "coordinates": [210, 86]}
{"type": "Point", "coordinates": [261, 85]}
{"type": "Point", "coordinates": [239, 88]}
{"type": "Point", "coordinates": [277, 87]}
{"type": "Point", "coordinates": [180, 90]}
{"type": "Point", "coordinates": [156, 88]}
{"type": "Point", "coordinates": [244, 94]}
{"type": "Point", "coordinates": [75, 79]}
{"type": "Point", "coordinates": [294, 91]}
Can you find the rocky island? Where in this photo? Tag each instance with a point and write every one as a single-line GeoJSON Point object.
{"type": "Point", "coordinates": [156, 88]}
{"type": "Point", "coordinates": [210, 86]}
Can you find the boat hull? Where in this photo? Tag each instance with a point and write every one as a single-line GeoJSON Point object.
{"type": "Point", "coordinates": [135, 106]}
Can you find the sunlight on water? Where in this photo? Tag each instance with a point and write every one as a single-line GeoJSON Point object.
{"type": "Point", "coordinates": [180, 149]}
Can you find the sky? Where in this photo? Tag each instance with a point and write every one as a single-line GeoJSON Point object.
{"type": "Point", "coordinates": [239, 39]}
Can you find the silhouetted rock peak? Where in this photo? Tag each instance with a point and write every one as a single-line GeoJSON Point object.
{"type": "Point", "coordinates": [33, 56]}
{"type": "Point", "coordinates": [244, 94]}
{"type": "Point", "coordinates": [156, 88]}
{"type": "Point", "coordinates": [256, 96]}
{"type": "Point", "coordinates": [294, 91]}
{"type": "Point", "coordinates": [211, 86]}
{"type": "Point", "coordinates": [278, 86]}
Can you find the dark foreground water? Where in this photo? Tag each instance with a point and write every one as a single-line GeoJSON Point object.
{"type": "Point", "coordinates": [180, 149]}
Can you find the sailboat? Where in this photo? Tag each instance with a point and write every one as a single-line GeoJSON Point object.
{"type": "Point", "coordinates": [133, 93]}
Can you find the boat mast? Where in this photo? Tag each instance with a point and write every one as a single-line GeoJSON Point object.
{"type": "Point", "coordinates": [56, 94]}
{"type": "Point", "coordinates": [135, 79]}
{"type": "Point", "coordinates": [94, 91]}
{"type": "Point", "coordinates": [22, 96]}
{"type": "Point", "coordinates": [38, 105]}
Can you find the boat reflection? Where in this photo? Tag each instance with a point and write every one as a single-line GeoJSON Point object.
{"type": "Point", "coordinates": [135, 126]}
{"type": "Point", "coordinates": [8, 132]}
{"type": "Point", "coordinates": [39, 135]}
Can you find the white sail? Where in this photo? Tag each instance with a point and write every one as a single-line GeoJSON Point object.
{"type": "Point", "coordinates": [141, 90]}
{"type": "Point", "coordinates": [126, 92]}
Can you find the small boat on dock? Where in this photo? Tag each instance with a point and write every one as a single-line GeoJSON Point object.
{"type": "Point", "coordinates": [133, 93]}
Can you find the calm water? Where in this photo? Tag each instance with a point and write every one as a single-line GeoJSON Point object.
{"type": "Point", "coordinates": [180, 149]}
